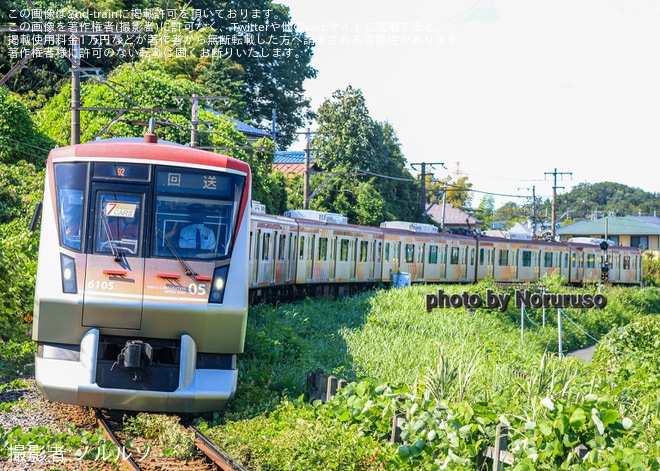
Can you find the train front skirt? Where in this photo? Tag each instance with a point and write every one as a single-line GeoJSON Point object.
{"type": "Point", "coordinates": [70, 376]}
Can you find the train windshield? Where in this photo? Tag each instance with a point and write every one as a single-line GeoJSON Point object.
{"type": "Point", "coordinates": [195, 212]}
{"type": "Point", "coordinates": [71, 179]}
{"type": "Point", "coordinates": [185, 212]}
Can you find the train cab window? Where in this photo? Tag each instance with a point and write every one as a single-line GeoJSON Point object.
{"type": "Point", "coordinates": [453, 259]}
{"type": "Point", "coordinates": [526, 258]}
{"type": "Point", "coordinates": [433, 255]}
{"type": "Point", "coordinates": [117, 228]}
{"type": "Point", "coordinates": [71, 183]}
{"type": "Point", "coordinates": [190, 202]}
{"type": "Point", "coordinates": [410, 253]}
{"type": "Point", "coordinates": [503, 260]}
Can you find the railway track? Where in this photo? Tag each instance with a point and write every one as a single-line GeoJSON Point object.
{"type": "Point", "coordinates": [213, 458]}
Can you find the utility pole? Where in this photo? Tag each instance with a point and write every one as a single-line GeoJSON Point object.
{"type": "Point", "coordinates": [422, 192]}
{"type": "Point", "coordinates": [194, 114]}
{"type": "Point", "coordinates": [554, 197]}
{"type": "Point", "coordinates": [75, 90]}
{"type": "Point", "coordinates": [306, 174]}
{"type": "Point", "coordinates": [533, 216]}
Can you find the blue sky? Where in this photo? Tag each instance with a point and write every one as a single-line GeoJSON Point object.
{"type": "Point", "coordinates": [503, 91]}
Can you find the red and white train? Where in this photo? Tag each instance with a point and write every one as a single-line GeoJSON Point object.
{"type": "Point", "coordinates": [150, 255]}
{"type": "Point", "coordinates": [141, 294]}
{"type": "Point", "coordinates": [313, 253]}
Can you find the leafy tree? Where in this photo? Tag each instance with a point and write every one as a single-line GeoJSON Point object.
{"type": "Point", "coordinates": [364, 161]}
{"type": "Point", "coordinates": [18, 245]}
{"type": "Point", "coordinates": [458, 193]}
{"type": "Point", "coordinates": [485, 211]}
{"type": "Point", "coordinates": [19, 138]}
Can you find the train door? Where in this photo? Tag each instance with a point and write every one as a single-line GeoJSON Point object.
{"type": "Point", "coordinates": [333, 257]}
{"type": "Point", "coordinates": [254, 255]}
{"type": "Point", "coordinates": [309, 271]}
{"type": "Point", "coordinates": [114, 275]}
{"type": "Point", "coordinates": [291, 259]}
{"type": "Point", "coordinates": [275, 257]}
{"type": "Point", "coordinates": [354, 260]}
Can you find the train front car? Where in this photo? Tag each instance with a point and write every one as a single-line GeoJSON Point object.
{"type": "Point", "coordinates": [142, 285]}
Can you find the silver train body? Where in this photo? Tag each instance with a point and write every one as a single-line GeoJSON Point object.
{"type": "Point", "coordinates": [312, 253]}
{"type": "Point", "coordinates": [130, 312]}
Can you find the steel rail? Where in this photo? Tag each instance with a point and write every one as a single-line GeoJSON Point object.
{"type": "Point", "coordinates": [206, 446]}
{"type": "Point", "coordinates": [127, 460]}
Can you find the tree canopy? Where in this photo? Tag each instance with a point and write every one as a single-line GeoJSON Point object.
{"type": "Point", "coordinates": [361, 163]}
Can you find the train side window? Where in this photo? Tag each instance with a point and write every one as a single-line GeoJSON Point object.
{"type": "Point", "coordinates": [343, 250]}
{"type": "Point", "coordinates": [282, 247]}
{"type": "Point", "coordinates": [433, 255]}
{"type": "Point", "coordinates": [379, 247]}
{"type": "Point", "coordinates": [323, 249]}
{"type": "Point", "coordinates": [547, 259]}
{"type": "Point", "coordinates": [265, 246]}
{"type": "Point", "coordinates": [453, 260]}
{"type": "Point", "coordinates": [312, 241]}
{"type": "Point", "coordinates": [410, 253]}
{"type": "Point", "coordinates": [420, 254]}
{"type": "Point", "coordinates": [364, 250]}
{"type": "Point", "coordinates": [387, 252]}
{"type": "Point", "coordinates": [472, 253]}
{"type": "Point", "coordinates": [626, 262]}
{"type": "Point", "coordinates": [527, 258]}
{"type": "Point", "coordinates": [591, 260]}
{"type": "Point", "coordinates": [301, 250]}
{"type": "Point", "coordinates": [250, 257]}
{"type": "Point", "coordinates": [503, 260]}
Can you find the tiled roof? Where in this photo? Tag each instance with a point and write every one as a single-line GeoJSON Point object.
{"type": "Point", "coordinates": [453, 216]}
{"type": "Point", "coordinates": [291, 161]}
{"type": "Point", "coordinates": [292, 157]}
{"type": "Point", "coordinates": [632, 225]}
{"type": "Point", "coordinates": [245, 128]}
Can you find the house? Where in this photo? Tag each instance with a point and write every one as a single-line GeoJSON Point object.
{"type": "Point", "coordinates": [633, 231]}
{"type": "Point", "coordinates": [289, 162]}
{"type": "Point", "coordinates": [452, 219]}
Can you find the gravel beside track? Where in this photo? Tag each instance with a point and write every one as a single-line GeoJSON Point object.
{"type": "Point", "coordinates": [30, 410]}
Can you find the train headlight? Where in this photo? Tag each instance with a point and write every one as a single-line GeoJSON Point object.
{"type": "Point", "coordinates": [68, 267]}
{"type": "Point", "coordinates": [219, 284]}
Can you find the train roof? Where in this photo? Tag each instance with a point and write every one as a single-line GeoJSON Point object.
{"type": "Point", "coordinates": [137, 149]}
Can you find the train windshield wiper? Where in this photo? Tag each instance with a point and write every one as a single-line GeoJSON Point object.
{"type": "Point", "coordinates": [170, 247]}
{"type": "Point", "coordinates": [108, 236]}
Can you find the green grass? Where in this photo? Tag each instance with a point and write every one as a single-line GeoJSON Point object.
{"type": "Point", "coordinates": [454, 373]}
